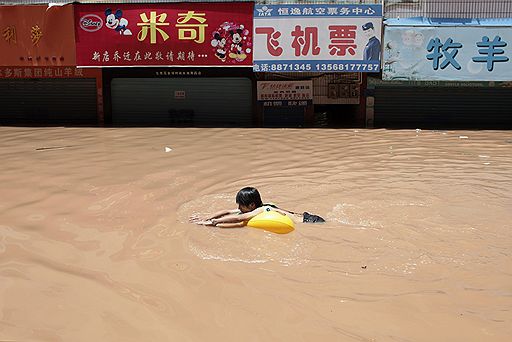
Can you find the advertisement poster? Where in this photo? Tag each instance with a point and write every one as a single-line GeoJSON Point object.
{"type": "Point", "coordinates": [37, 36]}
{"type": "Point", "coordinates": [324, 38]}
{"type": "Point", "coordinates": [285, 93]}
{"type": "Point", "coordinates": [471, 52]}
{"type": "Point", "coordinates": [196, 34]}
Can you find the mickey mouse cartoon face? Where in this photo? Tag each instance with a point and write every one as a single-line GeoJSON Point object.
{"type": "Point", "coordinates": [115, 21]}
{"type": "Point", "coordinates": [236, 36]}
{"type": "Point", "coordinates": [112, 20]}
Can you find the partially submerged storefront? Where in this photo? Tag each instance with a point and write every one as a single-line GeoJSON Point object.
{"type": "Point", "coordinates": [39, 83]}
{"type": "Point", "coordinates": [50, 95]}
{"type": "Point", "coordinates": [330, 45]}
{"type": "Point", "coordinates": [450, 74]}
{"type": "Point", "coordinates": [285, 103]}
{"type": "Point", "coordinates": [171, 64]}
{"type": "Point", "coordinates": [439, 104]}
{"type": "Point", "coordinates": [180, 96]}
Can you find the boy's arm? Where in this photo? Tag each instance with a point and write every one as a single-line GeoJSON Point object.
{"type": "Point", "coordinates": [223, 213]}
{"type": "Point", "coordinates": [237, 218]}
{"type": "Point", "coordinates": [201, 220]}
{"type": "Point", "coordinates": [230, 225]}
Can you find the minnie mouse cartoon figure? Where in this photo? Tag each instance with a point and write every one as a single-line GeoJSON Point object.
{"type": "Point", "coordinates": [219, 42]}
{"type": "Point", "coordinates": [115, 21]}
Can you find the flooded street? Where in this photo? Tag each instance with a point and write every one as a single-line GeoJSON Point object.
{"type": "Point", "coordinates": [95, 243]}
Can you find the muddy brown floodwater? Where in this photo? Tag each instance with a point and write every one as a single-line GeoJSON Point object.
{"type": "Point", "coordinates": [95, 243]}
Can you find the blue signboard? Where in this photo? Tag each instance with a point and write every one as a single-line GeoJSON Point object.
{"type": "Point", "coordinates": [471, 50]}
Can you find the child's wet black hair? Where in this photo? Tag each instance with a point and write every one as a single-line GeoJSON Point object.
{"type": "Point", "coordinates": [249, 195]}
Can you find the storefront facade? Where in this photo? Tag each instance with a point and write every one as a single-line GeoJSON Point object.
{"type": "Point", "coordinates": [171, 64]}
{"type": "Point", "coordinates": [51, 95]}
{"type": "Point", "coordinates": [39, 81]}
{"type": "Point", "coordinates": [443, 73]}
{"type": "Point", "coordinates": [438, 104]}
{"type": "Point", "coordinates": [206, 63]}
{"type": "Point", "coordinates": [179, 97]}
{"type": "Point", "coordinates": [331, 45]}
{"type": "Point", "coordinates": [193, 64]}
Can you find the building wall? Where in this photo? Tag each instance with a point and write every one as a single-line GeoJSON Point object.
{"type": "Point", "coordinates": [33, 2]}
{"type": "Point", "coordinates": [393, 8]}
{"type": "Point", "coordinates": [448, 8]}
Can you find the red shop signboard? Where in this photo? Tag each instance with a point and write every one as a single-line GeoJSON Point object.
{"type": "Point", "coordinates": [198, 34]}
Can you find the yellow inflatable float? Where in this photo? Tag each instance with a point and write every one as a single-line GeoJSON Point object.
{"type": "Point", "coordinates": [272, 221]}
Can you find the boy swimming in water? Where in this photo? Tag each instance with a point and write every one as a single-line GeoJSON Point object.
{"type": "Point", "coordinates": [249, 205]}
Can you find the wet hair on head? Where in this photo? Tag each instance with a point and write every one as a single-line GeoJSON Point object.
{"type": "Point", "coordinates": [249, 195]}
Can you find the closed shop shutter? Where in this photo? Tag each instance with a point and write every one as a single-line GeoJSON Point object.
{"type": "Point", "coordinates": [443, 107]}
{"type": "Point", "coordinates": [210, 101]}
{"type": "Point", "coordinates": [283, 116]}
{"type": "Point", "coordinates": [48, 101]}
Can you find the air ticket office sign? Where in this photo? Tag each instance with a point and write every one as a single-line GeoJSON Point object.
{"type": "Point", "coordinates": [323, 38]}
{"type": "Point", "coordinates": [479, 50]}
{"type": "Point", "coordinates": [199, 34]}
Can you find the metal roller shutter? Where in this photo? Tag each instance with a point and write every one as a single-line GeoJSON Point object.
{"type": "Point", "coordinates": [48, 101]}
{"type": "Point", "coordinates": [443, 107]}
{"type": "Point", "coordinates": [220, 101]}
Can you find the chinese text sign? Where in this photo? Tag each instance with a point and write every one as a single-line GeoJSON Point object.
{"type": "Point", "coordinates": [326, 38]}
{"type": "Point", "coordinates": [164, 34]}
{"type": "Point", "coordinates": [37, 36]}
{"type": "Point", "coordinates": [285, 93]}
{"type": "Point", "coordinates": [447, 53]}
{"type": "Point", "coordinates": [14, 72]}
